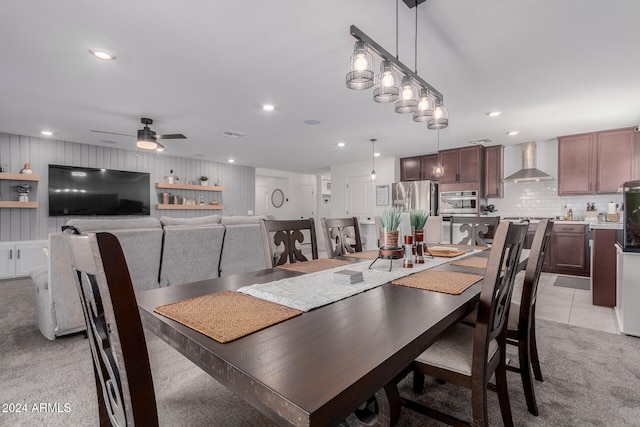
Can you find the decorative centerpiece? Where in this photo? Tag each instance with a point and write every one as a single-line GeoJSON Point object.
{"type": "Point", "coordinates": [418, 218]}
{"type": "Point", "coordinates": [204, 180]}
{"type": "Point", "coordinates": [389, 223]}
{"type": "Point", "coordinates": [23, 192]}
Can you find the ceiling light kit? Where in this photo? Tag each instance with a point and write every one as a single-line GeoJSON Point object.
{"type": "Point", "coordinates": [101, 54]}
{"type": "Point", "coordinates": [395, 82]}
{"type": "Point", "coordinates": [147, 139]}
{"type": "Point", "coordinates": [268, 107]}
{"type": "Point", "coordinates": [46, 132]}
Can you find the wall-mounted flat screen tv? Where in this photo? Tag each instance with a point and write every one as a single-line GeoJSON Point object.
{"type": "Point", "coordinates": [92, 191]}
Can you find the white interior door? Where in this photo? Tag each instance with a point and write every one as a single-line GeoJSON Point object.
{"type": "Point", "coordinates": [262, 200]}
{"type": "Point", "coordinates": [359, 196]}
{"type": "Point", "coordinates": [304, 200]}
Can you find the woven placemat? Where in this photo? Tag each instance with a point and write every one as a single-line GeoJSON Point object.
{"type": "Point", "coordinates": [372, 254]}
{"type": "Point", "coordinates": [228, 315]}
{"type": "Point", "coordinates": [473, 262]}
{"type": "Point", "coordinates": [448, 282]}
{"type": "Point", "coordinates": [314, 265]}
{"type": "Point", "coordinates": [444, 253]}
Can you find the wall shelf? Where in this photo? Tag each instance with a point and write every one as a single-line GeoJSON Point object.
{"type": "Point", "coordinates": [19, 205]}
{"type": "Point", "coordinates": [19, 176]}
{"type": "Point", "coordinates": [189, 187]}
{"type": "Point", "coordinates": [191, 207]}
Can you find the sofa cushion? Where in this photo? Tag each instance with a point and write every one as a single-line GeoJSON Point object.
{"type": "Point", "coordinates": [201, 220]}
{"type": "Point", "coordinates": [90, 225]}
{"type": "Point", "coordinates": [236, 220]}
{"type": "Point", "coordinates": [242, 250]}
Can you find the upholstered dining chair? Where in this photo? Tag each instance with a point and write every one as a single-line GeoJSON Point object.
{"type": "Point", "coordinates": [479, 229]}
{"type": "Point", "coordinates": [120, 360]}
{"type": "Point", "coordinates": [469, 355]}
{"type": "Point", "coordinates": [341, 236]}
{"type": "Point", "coordinates": [289, 235]}
{"type": "Point", "coordinates": [433, 230]}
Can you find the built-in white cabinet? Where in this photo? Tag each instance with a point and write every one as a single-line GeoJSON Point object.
{"type": "Point", "coordinates": [18, 259]}
{"type": "Point", "coordinates": [627, 291]}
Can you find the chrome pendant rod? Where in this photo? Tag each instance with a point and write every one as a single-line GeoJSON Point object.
{"type": "Point", "coordinates": [358, 34]}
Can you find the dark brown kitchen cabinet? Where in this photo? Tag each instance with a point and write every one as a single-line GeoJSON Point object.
{"type": "Point", "coordinates": [603, 267]}
{"type": "Point", "coordinates": [568, 250]}
{"type": "Point", "coordinates": [493, 184]}
{"type": "Point", "coordinates": [418, 167]}
{"type": "Point", "coordinates": [596, 162]}
{"type": "Point", "coordinates": [462, 164]}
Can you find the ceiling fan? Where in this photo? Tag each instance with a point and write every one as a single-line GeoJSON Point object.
{"type": "Point", "coordinates": [147, 138]}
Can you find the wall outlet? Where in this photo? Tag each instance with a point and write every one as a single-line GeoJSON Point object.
{"type": "Point", "coordinates": [250, 212]}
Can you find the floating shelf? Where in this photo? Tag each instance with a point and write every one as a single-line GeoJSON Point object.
{"type": "Point", "coordinates": [189, 187]}
{"type": "Point", "coordinates": [19, 177]}
{"type": "Point", "coordinates": [19, 205]}
{"type": "Point", "coordinates": [186, 207]}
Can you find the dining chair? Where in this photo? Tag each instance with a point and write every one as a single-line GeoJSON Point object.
{"type": "Point", "coordinates": [469, 355]}
{"type": "Point", "coordinates": [341, 236]}
{"type": "Point", "coordinates": [121, 367]}
{"type": "Point", "coordinates": [479, 229]}
{"type": "Point", "coordinates": [521, 326]}
{"type": "Point", "coordinates": [433, 230]}
{"type": "Point", "coordinates": [288, 234]}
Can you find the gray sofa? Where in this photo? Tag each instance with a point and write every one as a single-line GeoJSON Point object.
{"type": "Point", "coordinates": [165, 252]}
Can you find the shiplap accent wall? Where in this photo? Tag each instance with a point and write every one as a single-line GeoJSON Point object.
{"type": "Point", "coordinates": [34, 224]}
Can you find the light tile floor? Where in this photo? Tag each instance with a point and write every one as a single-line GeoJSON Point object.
{"type": "Point", "coordinates": [570, 306]}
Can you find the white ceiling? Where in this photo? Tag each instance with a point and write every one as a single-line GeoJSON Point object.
{"type": "Point", "coordinates": [200, 68]}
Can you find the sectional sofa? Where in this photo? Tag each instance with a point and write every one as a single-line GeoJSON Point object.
{"type": "Point", "coordinates": [164, 252]}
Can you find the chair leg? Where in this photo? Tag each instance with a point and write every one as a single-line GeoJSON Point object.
{"type": "Point", "coordinates": [533, 347]}
{"type": "Point", "coordinates": [525, 374]}
{"type": "Point", "coordinates": [418, 382]}
{"type": "Point", "coordinates": [503, 393]}
{"type": "Point", "coordinates": [479, 391]}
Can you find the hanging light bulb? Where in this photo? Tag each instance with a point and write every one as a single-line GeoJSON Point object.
{"type": "Point", "coordinates": [440, 119]}
{"type": "Point", "coordinates": [361, 66]}
{"type": "Point", "coordinates": [408, 102]}
{"type": "Point", "coordinates": [438, 170]}
{"type": "Point", "coordinates": [373, 159]}
{"type": "Point", "coordinates": [425, 107]}
{"type": "Point", "coordinates": [387, 88]}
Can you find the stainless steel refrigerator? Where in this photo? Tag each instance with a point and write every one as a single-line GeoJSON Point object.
{"type": "Point", "coordinates": [409, 195]}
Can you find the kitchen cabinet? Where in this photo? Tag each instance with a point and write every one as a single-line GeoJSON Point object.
{"type": "Point", "coordinates": [596, 162]}
{"type": "Point", "coordinates": [418, 168]}
{"type": "Point", "coordinates": [18, 259]}
{"type": "Point", "coordinates": [603, 267]}
{"type": "Point", "coordinates": [528, 241]}
{"type": "Point", "coordinates": [568, 250]}
{"type": "Point", "coordinates": [462, 165]}
{"type": "Point", "coordinates": [493, 184]}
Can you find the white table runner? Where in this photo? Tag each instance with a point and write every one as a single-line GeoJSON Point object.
{"type": "Point", "coordinates": [313, 290]}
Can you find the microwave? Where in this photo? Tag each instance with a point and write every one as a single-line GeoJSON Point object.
{"type": "Point", "coordinates": [459, 202]}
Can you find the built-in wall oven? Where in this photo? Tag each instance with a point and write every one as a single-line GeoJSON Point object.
{"type": "Point", "coordinates": [459, 203]}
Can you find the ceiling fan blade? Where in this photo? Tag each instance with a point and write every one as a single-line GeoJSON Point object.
{"type": "Point", "coordinates": [171, 136]}
{"type": "Point", "coordinates": [111, 133]}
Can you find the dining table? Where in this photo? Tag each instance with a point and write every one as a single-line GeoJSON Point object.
{"type": "Point", "coordinates": [319, 367]}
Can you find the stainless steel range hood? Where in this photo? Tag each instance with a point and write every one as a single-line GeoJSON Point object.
{"type": "Point", "coordinates": [529, 172]}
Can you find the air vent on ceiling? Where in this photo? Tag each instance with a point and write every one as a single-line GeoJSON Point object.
{"type": "Point", "coordinates": [480, 141]}
{"type": "Point", "coordinates": [232, 134]}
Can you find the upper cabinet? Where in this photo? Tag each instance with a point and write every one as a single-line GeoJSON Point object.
{"type": "Point", "coordinates": [597, 162]}
{"type": "Point", "coordinates": [462, 165]}
{"type": "Point", "coordinates": [493, 184]}
{"type": "Point", "coordinates": [418, 168]}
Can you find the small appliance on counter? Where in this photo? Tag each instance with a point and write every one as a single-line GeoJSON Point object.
{"type": "Point", "coordinates": [629, 236]}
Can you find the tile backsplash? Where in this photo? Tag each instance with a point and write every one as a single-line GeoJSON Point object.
{"type": "Point", "coordinates": [540, 199]}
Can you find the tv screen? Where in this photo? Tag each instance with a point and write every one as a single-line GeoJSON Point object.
{"type": "Point", "coordinates": [90, 191]}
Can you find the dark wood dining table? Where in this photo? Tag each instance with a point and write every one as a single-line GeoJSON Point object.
{"type": "Point", "coordinates": [317, 368]}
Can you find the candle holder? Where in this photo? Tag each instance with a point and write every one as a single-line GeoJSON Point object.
{"type": "Point", "coordinates": [419, 238]}
{"type": "Point", "coordinates": [408, 252]}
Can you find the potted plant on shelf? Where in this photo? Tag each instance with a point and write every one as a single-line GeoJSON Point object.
{"type": "Point", "coordinates": [204, 180]}
{"type": "Point", "coordinates": [23, 192]}
{"type": "Point", "coordinates": [389, 223]}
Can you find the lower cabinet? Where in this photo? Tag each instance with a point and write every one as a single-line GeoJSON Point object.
{"type": "Point", "coordinates": [568, 251]}
{"type": "Point", "coordinates": [18, 259]}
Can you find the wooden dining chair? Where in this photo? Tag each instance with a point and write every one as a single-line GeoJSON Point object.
{"type": "Point", "coordinates": [521, 327]}
{"type": "Point", "coordinates": [479, 229]}
{"type": "Point", "coordinates": [121, 367]}
{"type": "Point", "coordinates": [341, 236]}
{"type": "Point", "coordinates": [469, 355]}
{"type": "Point", "coordinates": [289, 235]}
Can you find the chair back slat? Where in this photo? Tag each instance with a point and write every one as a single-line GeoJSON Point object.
{"type": "Point", "coordinates": [534, 266]}
{"type": "Point", "coordinates": [288, 235]}
{"type": "Point", "coordinates": [341, 236]}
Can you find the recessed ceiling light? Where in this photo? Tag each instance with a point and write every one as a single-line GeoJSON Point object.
{"type": "Point", "coordinates": [376, 154]}
{"type": "Point", "coordinates": [494, 113]}
{"type": "Point", "coordinates": [341, 144]}
{"type": "Point", "coordinates": [513, 132]}
{"type": "Point", "coordinates": [231, 161]}
{"type": "Point", "coordinates": [46, 132]}
{"type": "Point", "coordinates": [312, 122]}
{"type": "Point", "coordinates": [268, 107]}
{"type": "Point", "coordinates": [101, 54]}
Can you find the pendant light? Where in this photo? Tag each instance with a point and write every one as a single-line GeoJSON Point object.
{"type": "Point", "coordinates": [387, 87]}
{"type": "Point", "coordinates": [438, 170]}
{"type": "Point", "coordinates": [424, 113]}
{"type": "Point", "coordinates": [440, 119]}
{"type": "Point", "coordinates": [409, 92]}
{"type": "Point", "coordinates": [361, 66]}
{"type": "Point", "coordinates": [373, 159]}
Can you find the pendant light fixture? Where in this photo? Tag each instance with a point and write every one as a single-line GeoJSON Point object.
{"type": "Point", "coordinates": [424, 112]}
{"type": "Point", "coordinates": [440, 118]}
{"type": "Point", "coordinates": [373, 159]}
{"type": "Point", "coordinates": [361, 66]}
{"type": "Point", "coordinates": [438, 170]}
{"type": "Point", "coordinates": [387, 88]}
{"type": "Point", "coordinates": [408, 102]}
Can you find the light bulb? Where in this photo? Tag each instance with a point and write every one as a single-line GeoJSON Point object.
{"type": "Point", "coordinates": [373, 175]}
{"type": "Point", "coordinates": [424, 104]}
{"type": "Point", "coordinates": [407, 93]}
{"type": "Point", "coordinates": [387, 80]}
{"type": "Point", "coordinates": [438, 170]}
{"type": "Point", "coordinates": [361, 62]}
{"type": "Point", "coordinates": [438, 113]}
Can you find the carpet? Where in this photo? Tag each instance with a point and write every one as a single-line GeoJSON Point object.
{"type": "Point", "coordinates": [591, 379]}
{"type": "Point", "coordinates": [573, 282]}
